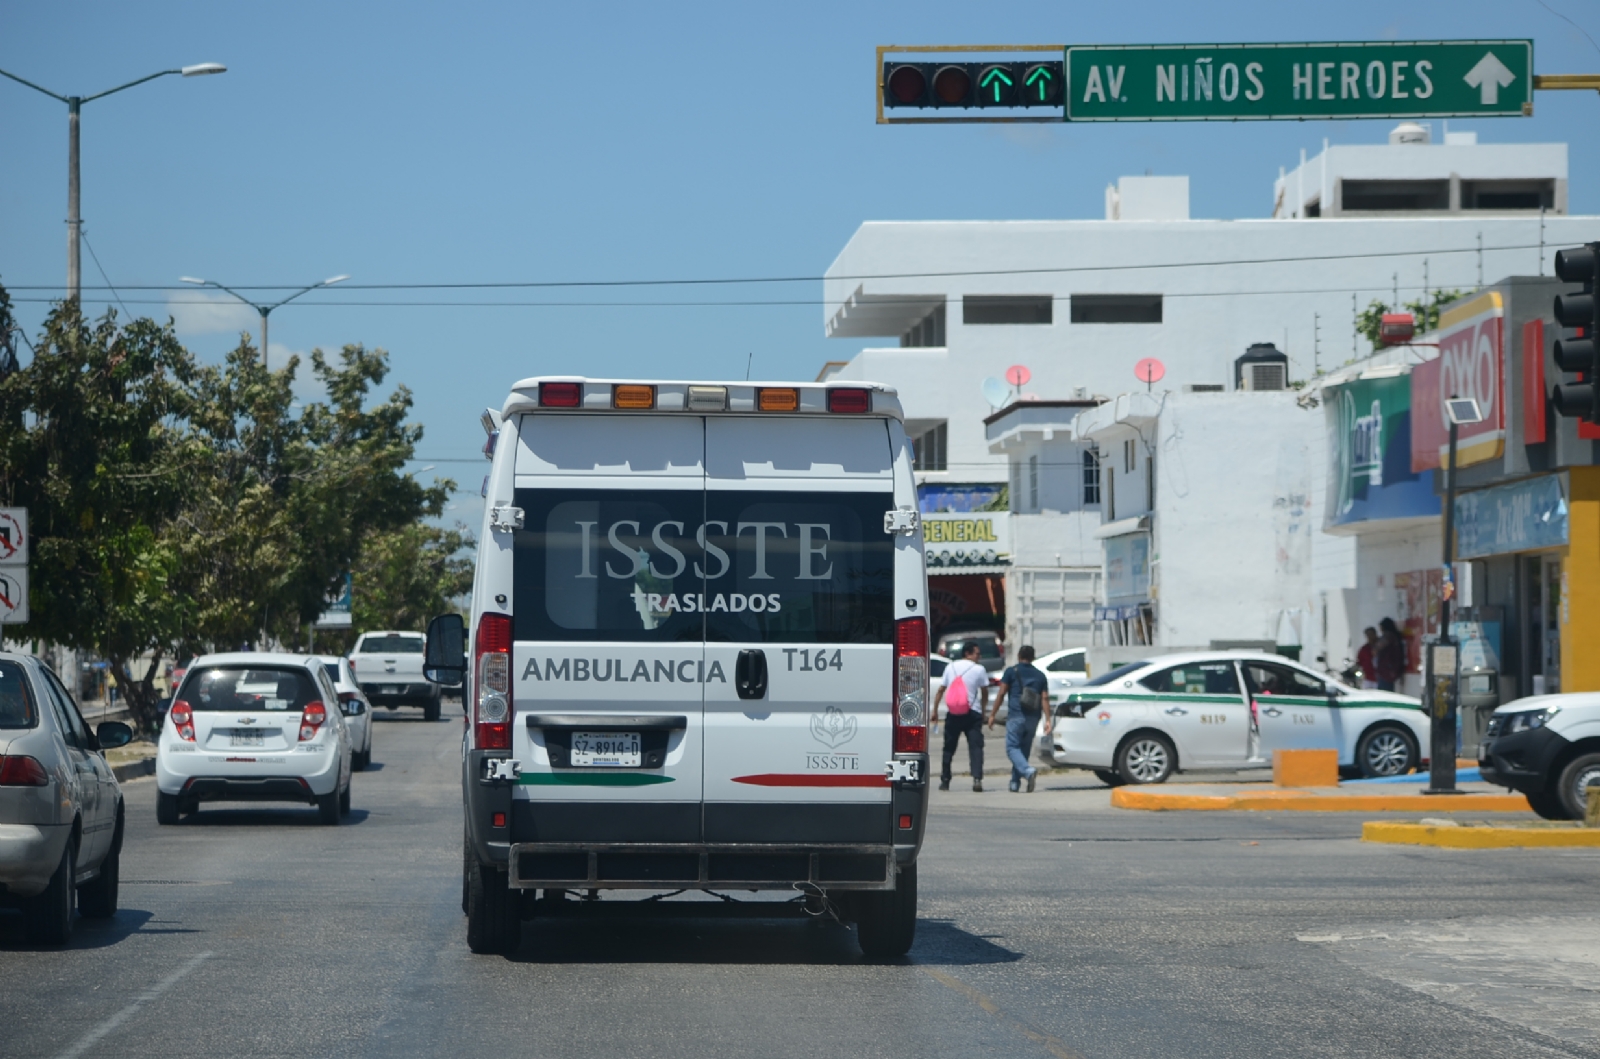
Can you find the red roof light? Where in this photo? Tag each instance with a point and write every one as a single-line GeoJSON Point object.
{"type": "Point", "coordinates": [560, 394]}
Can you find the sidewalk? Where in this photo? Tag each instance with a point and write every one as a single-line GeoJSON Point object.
{"type": "Point", "coordinates": [1356, 797]}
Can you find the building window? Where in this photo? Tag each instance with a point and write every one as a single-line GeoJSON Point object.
{"type": "Point", "coordinates": [1116, 308]}
{"type": "Point", "coordinates": [1508, 194]}
{"type": "Point", "coordinates": [1016, 486]}
{"type": "Point", "coordinates": [1150, 483]}
{"type": "Point", "coordinates": [1007, 309]}
{"type": "Point", "coordinates": [1129, 456]}
{"type": "Point", "coordinates": [928, 449]}
{"type": "Point", "coordinates": [1091, 479]}
{"type": "Point", "coordinates": [927, 332]}
{"type": "Point", "coordinates": [1402, 195]}
{"type": "Point", "coordinates": [1033, 483]}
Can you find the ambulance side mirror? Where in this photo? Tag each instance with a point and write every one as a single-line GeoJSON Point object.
{"type": "Point", "coordinates": [445, 654]}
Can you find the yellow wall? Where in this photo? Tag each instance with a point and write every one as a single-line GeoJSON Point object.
{"type": "Point", "coordinates": [1580, 585]}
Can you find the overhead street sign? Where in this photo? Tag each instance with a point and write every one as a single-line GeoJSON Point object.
{"type": "Point", "coordinates": [1260, 82]}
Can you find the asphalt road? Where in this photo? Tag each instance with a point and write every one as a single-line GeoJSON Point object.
{"type": "Point", "coordinates": [1051, 925]}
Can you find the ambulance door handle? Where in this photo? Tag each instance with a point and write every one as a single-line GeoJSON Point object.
{"type": "Point", "coordinates": [750, 674]}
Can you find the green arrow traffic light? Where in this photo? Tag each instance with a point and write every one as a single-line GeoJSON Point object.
{"type": "Point", "coordinates": [996, 84]}
{"type": "Point", "coordinates": [1043, 83]}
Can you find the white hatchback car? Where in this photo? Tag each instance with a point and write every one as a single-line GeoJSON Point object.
{"type": "Point", "coordinates": [254, 726]}
{"type": "Point", "coordinates": [355, 707]}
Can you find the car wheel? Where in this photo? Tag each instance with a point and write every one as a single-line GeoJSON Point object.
{"type": "Point", "coordinates": [1109, 777]}
{"type": "Point", "coordinates": [1146, 758]}
{"type": "Point", "coordinates": [97, 898]}
{"type": "Point", "coordinates": [50, 913]}
{"type": "Point", "coordinates": [328, 807]}
{"type": "Point", "coordinates": [1581, 774]}
{"type": "Point", "coordinates": [344, 801]}
{"type": "Point", "coordinates": [167, 808]}
{"type": "Point", "coordinates": [1386, 750]}
{"type": "Point", "coordinates": [886, 922]}
{"type": "Point", "coordinates": [430, 710]}
{"type": "Point", "coordinates": [493, 926]}
{"type": "Point", "coordinates": [1547, 803]}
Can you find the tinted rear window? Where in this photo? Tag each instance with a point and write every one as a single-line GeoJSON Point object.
{"type": "Point", "coordinates": [332, 669]}
{"type": "Point", "coordinates": [248, 688]}
{"type": "Point", "coordinates": [391, 645]}
{"type": "Point", "coordinates": [16, 700]}
{"type": "Point", "coordinates": [988, 647]}
{"type": "Point", "coordinates": [683, 565]}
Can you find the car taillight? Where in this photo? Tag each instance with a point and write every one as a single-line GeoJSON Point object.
{"type": "Point", "coordinates": [312, 718]}
{"type": "Point", "coordinates": [560, 394]}
{"type": "Point", "coordinates": [492, 666]}
{"type": "Point", "coordinates": [911, 686]}
{"type": "Point", "coordinates": [849, 401]}
{"type": "Point", "coordinates": [19, 770]}
{"type": "Point", "coordinates": [182, 720]}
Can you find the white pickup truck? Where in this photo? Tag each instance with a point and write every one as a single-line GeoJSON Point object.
{"type": "Point", "coordinates": [389, 667]}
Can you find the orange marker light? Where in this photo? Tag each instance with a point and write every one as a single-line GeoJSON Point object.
{"type": "Point", "coordinates": [627, 395]}
{"type": "Point", "coordinates": [775, 399]}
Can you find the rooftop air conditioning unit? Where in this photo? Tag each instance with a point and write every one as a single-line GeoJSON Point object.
{"type": "Point", "coordinates": [1267, 376]}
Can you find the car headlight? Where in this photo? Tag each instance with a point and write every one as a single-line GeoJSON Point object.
{"type": "Point", "coordinates": [1528, 720]}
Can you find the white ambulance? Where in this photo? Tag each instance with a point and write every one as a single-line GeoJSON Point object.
{"type": "Point", "coordinates": [697, 657]}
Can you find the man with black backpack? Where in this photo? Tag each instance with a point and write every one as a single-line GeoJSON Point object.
{"type": "Point", "coordinates": [965, 694]}
{"type": "Point", "coordinates": [1026, 693]}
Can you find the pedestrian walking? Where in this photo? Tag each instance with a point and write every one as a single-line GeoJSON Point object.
{"type": "Point", "coordinates": [1367, 659]}
{"type": "Point", "coordinates": [965, 694]}
{"type": "Point", "coordinates": [1391, 655]}
{"type": "Point", "coordinates": [1026, 692]}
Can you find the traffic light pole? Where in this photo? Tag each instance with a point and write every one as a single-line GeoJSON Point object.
{"type": "Point", "coordinates": [1439, 666]}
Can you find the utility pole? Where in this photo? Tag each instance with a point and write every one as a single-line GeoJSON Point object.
{"type": "Point", "coordinates": [74, 107]}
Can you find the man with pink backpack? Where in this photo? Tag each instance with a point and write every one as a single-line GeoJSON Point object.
{"type": "Point", "coordinates": [965, 694]}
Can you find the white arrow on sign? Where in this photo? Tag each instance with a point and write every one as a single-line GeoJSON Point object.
{"type": "Point", "coordinates": [1489, 77]}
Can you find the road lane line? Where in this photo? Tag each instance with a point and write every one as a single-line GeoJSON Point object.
{"type": "Point", "coordinates": [94, 1036]}
{"type": "Point", "coordinates": [1054, 1045]}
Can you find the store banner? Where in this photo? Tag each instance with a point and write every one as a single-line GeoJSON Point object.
{"type": "Point", "coordinates": [964, 541]}
{"type": "Point", "coordinates": [1369, 442]}
{"type": "Point", "coordinates": [1128, 567]}
{"type": "Point", "coordinates": [1519, 517]}
{"type": "Point", "coordinates": [1471, 363]}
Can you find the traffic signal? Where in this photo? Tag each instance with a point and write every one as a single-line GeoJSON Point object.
{"type": "Point", "coordinates": [1579, 355]}
{"type": "Point", "coordinates": [972, 84]}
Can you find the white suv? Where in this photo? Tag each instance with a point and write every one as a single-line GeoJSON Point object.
{"type": "Point", "coordinates": [254, 727]}
{"type": "Point", "coordinates": [699, 653]}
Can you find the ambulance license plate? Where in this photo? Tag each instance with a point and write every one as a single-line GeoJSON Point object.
{"type": "Point", "coordinates": [618, 750]}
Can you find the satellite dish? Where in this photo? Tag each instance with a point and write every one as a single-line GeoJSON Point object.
{"type": "Point", "coordinates": [1149, 370]}
{"type": "Point", "coordinates": [1017, 375]}
{"type": "Point", "coordinates": [996, 393]}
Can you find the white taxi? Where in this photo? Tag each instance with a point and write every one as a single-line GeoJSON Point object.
{"type": "Point", "coordinates": [254, 726]}
{"type": "Point", "coordinates": [1141, 722]}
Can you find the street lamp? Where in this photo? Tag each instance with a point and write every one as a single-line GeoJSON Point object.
{"type": "Point", "coordinates": [264, 310]}
{"type": "Point", "coordinates": [74, 104]}
{"type": "Point", "coordinates": [1439, 668]}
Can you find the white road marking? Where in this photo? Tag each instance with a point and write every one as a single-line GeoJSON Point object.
{"type": "Point", "coordinates": [94, 1036]}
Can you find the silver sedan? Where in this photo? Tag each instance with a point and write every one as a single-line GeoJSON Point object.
{"type": "Point", "coordinates": [61, 816]}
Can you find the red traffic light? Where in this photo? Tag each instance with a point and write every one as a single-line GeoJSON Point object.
{"type": "Point", "coordinates": [905, 86]}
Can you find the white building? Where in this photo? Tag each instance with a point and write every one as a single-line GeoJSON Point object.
{"type": "Point", "coordinates": [1079, 303]}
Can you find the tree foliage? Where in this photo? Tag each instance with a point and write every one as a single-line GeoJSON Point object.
{"type": "Point", "coordinates": [178, 507]}
{"type": "Point", "coordinates": [1425, 313]}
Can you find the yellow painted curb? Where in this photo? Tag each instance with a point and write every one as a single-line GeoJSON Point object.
{"type": "Point", "coordinates": [1479, 837]}
{"type": "Point", "coordinates": [1317, 801]}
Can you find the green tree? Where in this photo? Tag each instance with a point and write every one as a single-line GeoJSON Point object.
{"type": "Point", "coordinates": [1426, 314]}
{"type": "Point", "coordinates": [92, 443]}
{"type": "Point", "coordinates": [407, 576]}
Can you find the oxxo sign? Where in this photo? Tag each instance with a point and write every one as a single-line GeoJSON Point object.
{"type": "Point", "coordinates": [1243, 82]}
{"type": "Point", "coordinates": [1470, 364]}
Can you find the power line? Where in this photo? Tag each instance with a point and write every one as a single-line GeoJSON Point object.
{"type": "Point", "coordinates": [735, 280]}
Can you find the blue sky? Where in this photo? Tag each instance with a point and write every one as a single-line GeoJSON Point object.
{"type": "Point", "coordinates": [480, 142]}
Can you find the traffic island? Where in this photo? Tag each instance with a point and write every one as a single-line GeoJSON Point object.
{"type": "Point", "coordinates": [1316, 800]}
{"type": "Point", "coordinates": [1451, 834]}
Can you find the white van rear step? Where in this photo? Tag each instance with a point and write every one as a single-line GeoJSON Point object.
{"type": "Point", "coordinates": [656, 866]}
